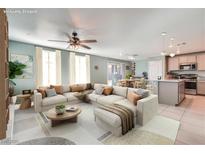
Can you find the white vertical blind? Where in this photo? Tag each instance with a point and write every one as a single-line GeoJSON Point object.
{"type": "Point", "coordinates": [58, 66]}
{"type": "Point", "coordinates": [154, 69]}
{"type": "Point", "coordinates": [39, 70]}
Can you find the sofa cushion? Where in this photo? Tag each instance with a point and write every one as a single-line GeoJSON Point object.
{"type": "Point", "coordinates": [142, 92]}
{"type": "Point", "coordinates": [110, 99]}
{"type": "Point", "coordinates": [121, 91]}
{"type": "Point", "coordinates": [99, 90]}
{"type": "Point", "coordinates": [133, 97]}
{"type": "Point", "coordinates": [66, 88]}
{"type": "Point", "coordinates": [50, 92]}
{"type": "Point", "coordinates": [54, 100]}
{"type": "Point", "coordinates": [42, 91]}
{"type": "Point", "coordinates": [108, 117]}
{"type": "Point", "coordinates": [58, 88]}
{"type": "Point", "coordinates": [129, 105]}
{"type": "Point", "coordinates": [70, 96]}
{"type": "Point", "coordinates": [96, 85]}
{"type": "Point", "coordinates": [77, 87]}
{"type": "Point", "coordinates": [107, 90]}
{"type": "Point", "coordinates": [93, 97]}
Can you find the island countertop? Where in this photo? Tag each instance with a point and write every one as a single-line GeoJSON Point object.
{"type": "Point", "coordinates": [170, 80]}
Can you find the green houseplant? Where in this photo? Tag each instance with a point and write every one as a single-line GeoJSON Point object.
{"type": "Point", "coordinates": [128, 76]}
{"type": "Point", "coordinates": [60, 109]}
{"type": "Point", "coordinates": [15, 69]}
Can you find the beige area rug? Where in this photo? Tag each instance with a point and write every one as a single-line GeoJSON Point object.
{"type": "Point", "coordinates": [159, 131]}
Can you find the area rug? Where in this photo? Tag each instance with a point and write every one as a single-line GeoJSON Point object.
{"type": "Point", "coordinates": [159, 131]}
{"type": "Point", "coordinates": [48, 141]}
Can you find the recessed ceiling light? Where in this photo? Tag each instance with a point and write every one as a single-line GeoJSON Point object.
{"type": "Point", "coordinates": [164, 33]}
{"type": "Point", "coordinates": [172, 39]}
{"type": "Point", "coordinates": [120, 53]}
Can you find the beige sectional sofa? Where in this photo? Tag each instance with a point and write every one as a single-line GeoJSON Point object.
{"type": "Point", "coordinates": [145, 110]}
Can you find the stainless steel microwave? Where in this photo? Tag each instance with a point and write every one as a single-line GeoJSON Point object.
{"type": "Point", "coordinates": [187, 67]}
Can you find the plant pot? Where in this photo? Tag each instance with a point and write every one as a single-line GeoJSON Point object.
{"type": "Point", "coordinates": [60, 111]}
{"type": "Point", "coordinates": [11, 90]}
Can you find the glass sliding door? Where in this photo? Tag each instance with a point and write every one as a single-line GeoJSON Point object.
{"type": "Point", "coordinates": [115, 72]}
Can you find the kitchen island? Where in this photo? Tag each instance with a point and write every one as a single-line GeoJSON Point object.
{"type": "Point", "coordinates": [171, 92]}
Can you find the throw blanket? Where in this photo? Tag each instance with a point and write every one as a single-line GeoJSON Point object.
{"type": "Point", "coordinates": [125, 114]}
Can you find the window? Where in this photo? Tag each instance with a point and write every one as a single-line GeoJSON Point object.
{"type": "Point", "coordinates": [49, 67]}
{"type": "Point", "coordinates": [80, 69]}
{"type": "Point", "coordinates": [116, 72]}
{"type": "Point", "coordinates": [154, 69]}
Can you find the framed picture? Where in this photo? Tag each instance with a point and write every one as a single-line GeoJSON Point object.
{"type": "Point", "coordinates": [24, 59]}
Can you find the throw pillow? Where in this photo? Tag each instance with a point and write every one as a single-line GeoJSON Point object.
{"type": "Point", "coordinates": [58, 88]}
{"type": "Point", "coordinates": [88, 86]}
{"type": "Point", "coordinates": [133, 97]}
{"type": "Point", "coordinates": [51, 92]}
{"type": "Point", "coordinates": [42, 91]}
{"type": "Point", "coordinates": [107, 90]}
{"type": "Point", "coordinates": [66, 88]}
{"type": "Point", "coordinates": [77, 88]}
{"type": "Point", "coordinates": [142, 92]}
{"type": "Point", "coordinates": [99, 90]}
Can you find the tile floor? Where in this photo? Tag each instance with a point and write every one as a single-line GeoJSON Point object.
{"type": "Point", "coordinates": [191, 114]}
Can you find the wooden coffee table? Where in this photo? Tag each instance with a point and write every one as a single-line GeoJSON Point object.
{"type": "Point", "coordinates": [68, 116]}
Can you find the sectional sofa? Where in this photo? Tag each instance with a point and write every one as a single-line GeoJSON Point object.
{"type": "Point", "coordinates": [145, 109]}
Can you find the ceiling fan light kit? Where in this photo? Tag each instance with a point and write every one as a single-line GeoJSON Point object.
{"type": "Point", "coordinates": [74, 41]}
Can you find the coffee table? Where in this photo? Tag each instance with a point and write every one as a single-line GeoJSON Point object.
{"type": "Point", "coordinates": [68, 116]}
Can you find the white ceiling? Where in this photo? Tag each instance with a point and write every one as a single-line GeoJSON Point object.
{"type": "Point", "coordinates": [125, 31]}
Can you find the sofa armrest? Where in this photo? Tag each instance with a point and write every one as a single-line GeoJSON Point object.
{"type": "Point", "coordinates": [37, 101]}
{"type": "Point", "coordinates": [147, 108]}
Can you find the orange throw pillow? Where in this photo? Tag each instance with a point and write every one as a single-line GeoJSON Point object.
{"type": "Point", "coordinates": [58, 88]}
{"type": "Point", "coordinates": [42, 90]}
{"type": "Point", "coordinates": [77, 88]}
{"type": "Point", "coordinates": [133, 97]}
{"type": "Point", "coordinates": [107, 90]}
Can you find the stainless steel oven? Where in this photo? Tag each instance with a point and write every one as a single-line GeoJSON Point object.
{"type": "Point", "coordinates": [190, 81]}
{"type": "Point", "coordinates": [190, 87]}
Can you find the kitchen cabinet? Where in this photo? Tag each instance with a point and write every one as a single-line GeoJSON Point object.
{"type": "Point", "coordinates": [201, 87]}
{"type": "Point", "coordinates": [173, 63]}
{"type": "Point", "coordinates": [201, 62]}
{"type": "Point", "coordinates": [187, 59]}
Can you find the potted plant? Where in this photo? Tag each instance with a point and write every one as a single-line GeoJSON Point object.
{"type": "Point", "coordinates": [15, 68]}
{"type": "Point", "coordinates": [60, 109]}
{"type": "Point", "coordinates": [128, 76]}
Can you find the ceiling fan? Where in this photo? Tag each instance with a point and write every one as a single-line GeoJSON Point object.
{"type": "Point", "coordinates": [74, 41]}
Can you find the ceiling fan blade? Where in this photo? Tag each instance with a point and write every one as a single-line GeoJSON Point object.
{"type": "Point", "coordinates": [88, 41]}
{"type": "Point", "coordinates": [84, 46]}
{"type": "Point", "coordinates": [58, 41]}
